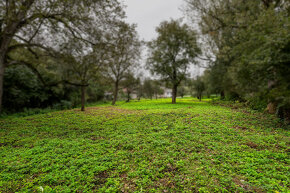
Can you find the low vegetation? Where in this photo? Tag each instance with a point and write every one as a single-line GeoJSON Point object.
{"type": "Point", "coordinates": [145, 146]}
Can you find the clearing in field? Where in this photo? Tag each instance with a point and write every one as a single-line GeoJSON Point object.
{"type": "Point", "coordinates": [146, 146]}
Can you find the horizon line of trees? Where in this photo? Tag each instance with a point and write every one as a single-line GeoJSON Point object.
{"type": "Point", "coordinates": [51, 49]}
{"type": "Point", "coordinates": [58, 52]}
{"type": "Point", "coordinates": [61, 52]}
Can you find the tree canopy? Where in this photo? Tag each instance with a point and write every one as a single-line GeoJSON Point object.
{"type": "Point", "coordinates": [171, 53]}
{"type": "Point", "coordinates": [250, 43]}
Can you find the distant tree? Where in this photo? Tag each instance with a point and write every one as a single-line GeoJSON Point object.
{"type": "Point", "coordinates": [130, 84]}
{"type": "Point", "coordinates": [182, 89]}
{"type": "Point", "coordinates": [152, 88]}
{"type": "Point", "coordinates": [157, 90]}
{"type": "Point", "coordinates": [140, 89]}
{"type": "Point", "coordinates": [172, 52]}
{"type": "Point", "coordinates": [80, 66]}
{"type": "Point", "coordinates": [148, 88]}
{"type": "Point", "coordinates": [211, 87]}
{"type": "Point", "coordinates": [123, 54]}
{"type": "Point", "coordinates": [199, 87]}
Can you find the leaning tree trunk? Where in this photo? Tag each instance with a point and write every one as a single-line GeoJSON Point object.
{"type": "Point", "coordinates": [115, 92]}
{"type": "Point", "coordinates": [83, 93]}
{"type": "Point", "coordinates": [6, 36]}
{"type": "Point", "coordinates": [2, 70]}
{"type": "Point", "coordinates": [5, 41]}
{"type": "Point", "coordinates": [174, 94]}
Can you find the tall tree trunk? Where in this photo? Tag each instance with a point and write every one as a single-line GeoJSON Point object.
{"type": "Point", "coordinates": [272, 105]}
{"type": "Point", "coordinates": [83, 91]}
{"type": "Point", "coordinates": [128, 97]}
{"type": "Point", "coordinates": [115, 92]}
{"type": "Point", "coordinates": [5, 41]}
{"type": "Point", "coordinates": [2, 70]}
{"type": "Point", "coordinates": [174, 94]}
{"type": "Point", "coordinates": [6, 36]}
{"type": "Point", "coordinates": [222, 94]}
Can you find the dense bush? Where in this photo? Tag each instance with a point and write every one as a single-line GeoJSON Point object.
{"type": "Point", "coordinates": [24, 92]}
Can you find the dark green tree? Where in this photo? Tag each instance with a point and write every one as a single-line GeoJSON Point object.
{"type": "Point", "coordinates": [48, 24]}
{"type": "Point", "coordinates": [130, 84]}
{"type": "Point", "coordinates": [148, 88]}
{"type": "Point", "coordinates": [171, 53]}
{"type": "Point", "coordinates": [80, 66]}
{"type": "Point", "coordinates": [123, 54]}
{"type": "Point", "coordinates": [250, 44]}
{"type": "Point", "coordinates": [199, 87]}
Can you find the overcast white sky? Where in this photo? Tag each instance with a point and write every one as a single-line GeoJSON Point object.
{"type": "Point", "coordinates": [148, 14]}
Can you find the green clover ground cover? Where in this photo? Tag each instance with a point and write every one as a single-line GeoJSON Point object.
{"type": "Point", "coordinates": [146, 146]}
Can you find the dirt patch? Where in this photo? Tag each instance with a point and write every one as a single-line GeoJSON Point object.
{"type": "Point", "coordinates": [166, 182]}
{"type": "Point", "coordinates": [242, 183]}
{"type": "Point", "coordinates": [96, 138]}
{"type": "Point", "coordinates": [108, 111]}
{"type": "Point", "coordinates": [252, 145]}
{"type": "Point", "coordinates": [170, 168]}
{"type": "Point", "coordinates": [101, 178]}
{"type": "Point", "coordinates": [128, 184]}
{"type": "Point", "coordinates": [243, 128]}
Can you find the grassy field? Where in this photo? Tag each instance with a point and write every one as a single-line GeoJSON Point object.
{"type": "Point", "coordinates": [147, 146]}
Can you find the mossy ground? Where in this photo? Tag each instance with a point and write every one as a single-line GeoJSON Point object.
{"type": "Point", "coordinates": [146, 146]}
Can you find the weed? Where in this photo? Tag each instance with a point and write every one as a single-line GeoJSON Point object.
{"type": "Point", "coordinates": [147, 145]}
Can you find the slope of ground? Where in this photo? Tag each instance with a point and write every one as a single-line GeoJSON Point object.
{"type": "Point", "coordinates": [147, 146]}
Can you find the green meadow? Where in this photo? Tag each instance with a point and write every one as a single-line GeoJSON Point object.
{"type": "Point", "coordinates": [145, 146]}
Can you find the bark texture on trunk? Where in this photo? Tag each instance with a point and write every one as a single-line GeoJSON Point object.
{"type": "Point", "coordinates": [222, 94]}
{"type": "Point", "coordinates": [115, 92]}
{"type": "Point", "coordinates": [2, 70]}
{"type": "Point", "coordinates": [6, 37]}
{"type": "Point", "coordinates": [5, 41]}
{"type": "Point", "coordinates": [83, 92]}
{"type": "Point", "coordinates": [128, 97]}
{"type": "Point", "coordinates": [271, 108]}
{"type": "Point", "coordinates": [174, 93]}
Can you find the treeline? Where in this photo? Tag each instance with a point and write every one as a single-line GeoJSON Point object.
{"type": "Point", "coordinates": [248, 44]}
{"type": "Point", "coordinates": [62, 53]}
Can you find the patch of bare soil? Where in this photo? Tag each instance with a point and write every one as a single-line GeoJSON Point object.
{"type": "Point", "coordinates": [128, 184]}
{"type": "Point", "coordinates": [242, 183]}
{"type": "Point", "coordinates": [108, 111]}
